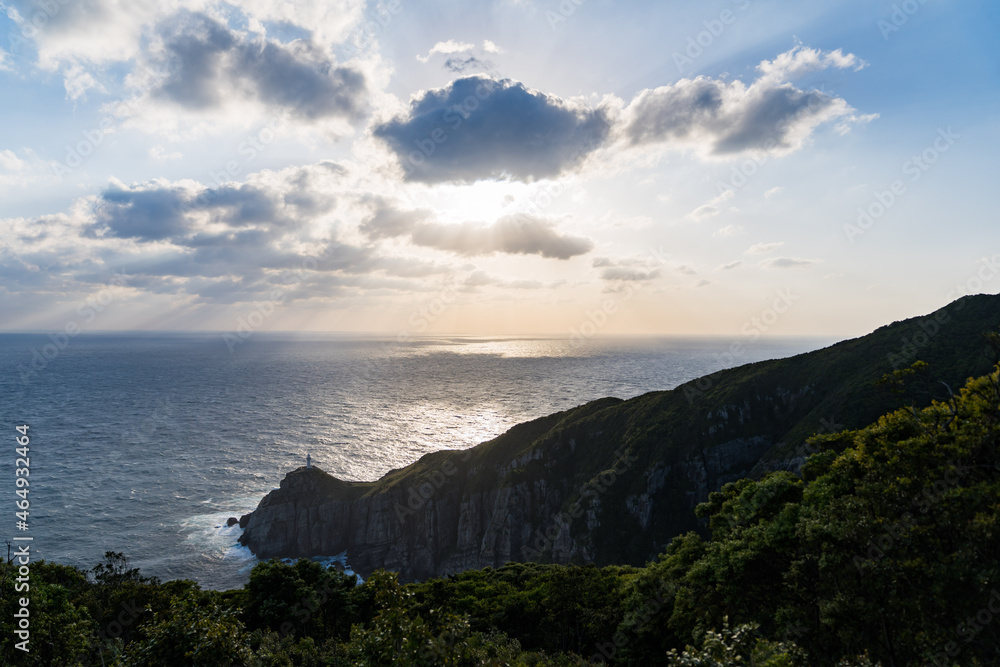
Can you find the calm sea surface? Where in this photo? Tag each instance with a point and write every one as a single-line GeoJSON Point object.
{"type": "Point", "coordinates": [146, 443]}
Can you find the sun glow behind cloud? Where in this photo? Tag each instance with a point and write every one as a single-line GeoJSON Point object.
{"type": "Point", "coordinates": [360, 161]}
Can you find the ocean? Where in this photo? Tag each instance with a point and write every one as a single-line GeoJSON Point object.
{"type": "Point", "coordinates": [147, 443]}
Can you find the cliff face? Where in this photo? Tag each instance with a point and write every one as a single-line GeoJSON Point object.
{"type": "Point", "coordinates": [611, 481]}
{"type": "Point", "coordinates": [447, 524]}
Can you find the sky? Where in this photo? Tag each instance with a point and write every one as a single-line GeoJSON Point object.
{"type": "Point", "coordinates": [575, 168]}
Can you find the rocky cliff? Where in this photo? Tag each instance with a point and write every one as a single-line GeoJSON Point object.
{"type": "Point", "coordinates": [613, 481]}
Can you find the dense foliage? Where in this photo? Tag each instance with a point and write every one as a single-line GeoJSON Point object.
{"type": "Point", "coordinates": [883, 551]}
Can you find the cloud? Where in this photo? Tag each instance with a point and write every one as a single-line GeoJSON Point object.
{"type": "Point", "coordinates": [465, 65]}
{"type": "Point", "coordinates": [449, 47]}
{"type": "Point", "coordinates": [704, 211]}
{"type": "Point", "coordinates": [730, 265]}
{"type": "Point", "coordinates": [712, 208]}
{"type": "Point", "coordinates": [160, 154]}
{"type": "Point", "coordinates": [490, 47]}
{"type": "Point", "coordinates": [5, 64]}
{"type": "Point", "coordinates": [763, 248]}
{"type": "Point", "coordinates": [478, 127]}
{"type": "Point", "coordinates": [20, 171]}
{"type": "Point", "coordinates": [801, 60]}
{"type": "Point", "coordinates": [787, 263]}
{"type": "Point", "coordinates": [9, 161]}
{"type": "Point", "coordinates": [236, 214]}
{"type": "Point", "coordinates": [729, 230]}
{"type": "Point", "coordinates": [97, 32]}
{"type": "Point", "coordinates": [233, 243]}
{"type": "Point", "coordinates": [627, 269]}
{"type": "Point", "coordinates": [721, 119]}
{"type": "Point", "coordinates": [77, 81]}
{"type": "Point", "coordinates": [686, 270]}
{"type": "Point", "coordinates": [483, 279]}
{"type": "Point", "coordinates": [773, 192]}
{"type": "Point", "coordinates": [518, 234]}
{"type": "Point", "coordinates": [199, 63]}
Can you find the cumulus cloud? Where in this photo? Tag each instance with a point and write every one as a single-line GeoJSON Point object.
{"type": "Point", "coordinates": [731, 265]}
{"type": "Point", "coordinates": [721, 118]}
{"type": "Point", "coordinates": [801, 60]}
{"type": "Point", "coordinates": [787, 263]}
{"type": "Point", "coordinates": [518, 234]}
{"type": "Point", "coordinates": [232, 243]}
{"type": "Point", "coordinates": [478, 127]}
{"type": "Point", "coordinates": [200, 63]}
{"type": "Point", "coordinates": [97, 32]}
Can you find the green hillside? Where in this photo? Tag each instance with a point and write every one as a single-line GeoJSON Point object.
{"type": "Point", "coordinates": [884, 552]}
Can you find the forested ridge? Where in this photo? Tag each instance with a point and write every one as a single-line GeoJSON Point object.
{"type": "Point", "coordinates": [882, 551]}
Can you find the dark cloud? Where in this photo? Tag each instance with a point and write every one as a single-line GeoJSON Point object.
{"type": "Point", "coordinates": [478, 127]}
{"type": "Point", "coordinates": [206, 63]}
{"type": "Point", "coordinates": [464, 65]}
{"type": "Point", "coordinates": [236, 242]}
{"type": "Point", "coordinates": [147, 215]}
{"type": "Point", "coordinates": [157, 213]}
{"type": "Point", "coordinates": [729, 117]}
{"type": "Point", "coordinates": [512, 234]}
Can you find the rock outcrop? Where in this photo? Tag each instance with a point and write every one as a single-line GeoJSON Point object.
{"type": "Point", "coordinates": [611, 481]}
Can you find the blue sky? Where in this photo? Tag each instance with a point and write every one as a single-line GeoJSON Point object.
{"type": "Point", "coordinates": [519, 166]}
